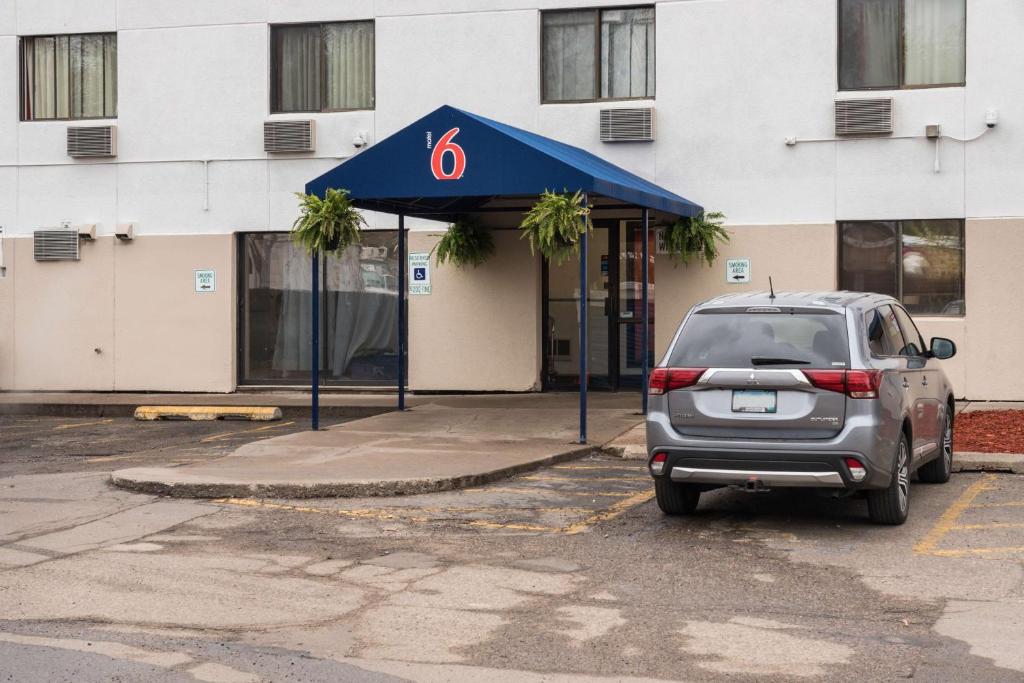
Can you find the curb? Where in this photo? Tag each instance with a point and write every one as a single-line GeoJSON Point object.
{"type": "Point", "coordinates": [339, 489]}
{"type": "Point", "coordinates": [252, 413]}
{"type": "Point", "coordinates": [989, 462]}
{"type": "Point", "coordinates": [100, 410]}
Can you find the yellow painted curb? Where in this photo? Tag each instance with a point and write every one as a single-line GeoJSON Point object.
{"type": "Point", "coordinates": [257, 413]}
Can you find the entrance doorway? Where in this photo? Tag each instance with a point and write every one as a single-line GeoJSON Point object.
{"type": "Point", "coordinates": [614, 306]}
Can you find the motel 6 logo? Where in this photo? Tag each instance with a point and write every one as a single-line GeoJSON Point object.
{"type": "Point", "coordinates": [447, 153]}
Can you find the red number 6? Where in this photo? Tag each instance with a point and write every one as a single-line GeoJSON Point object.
{"type": "Point", "coordinates": [445, 145]}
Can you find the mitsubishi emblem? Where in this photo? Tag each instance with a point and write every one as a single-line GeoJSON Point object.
{"type": "Point", "coordinates": [752, 379]}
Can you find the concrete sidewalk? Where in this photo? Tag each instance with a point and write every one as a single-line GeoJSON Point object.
{"type": "Point", "coordinates": [449, 443]}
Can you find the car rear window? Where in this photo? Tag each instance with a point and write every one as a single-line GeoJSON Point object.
{"type": "Point", "coordinates": [714, 339]}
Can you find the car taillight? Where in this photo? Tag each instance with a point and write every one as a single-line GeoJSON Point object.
{"type": "Point", "coordinates": [853, 383]}
{"type": "Point", "coordinates": [666, 379]}
{"type": "Point", "coordinates": [857, 471]}
{"type": "Point", "coordinates": [658, 463]}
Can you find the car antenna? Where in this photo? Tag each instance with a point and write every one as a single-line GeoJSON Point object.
{"type": "Point", "coordinates": [771, 288]}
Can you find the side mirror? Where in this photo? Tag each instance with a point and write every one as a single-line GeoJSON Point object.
{"type": "Point", "coordinates": [942, 348]}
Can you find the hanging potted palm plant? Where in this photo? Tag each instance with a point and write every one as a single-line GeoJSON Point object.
{"type": "Point", "coordinates": [555, 224]}
{"type": "Point", "coordinates": [328, 224]}
{"type": "Point", "coordinates": [465, 243]}
{"type": "Point", "coordinates": [696, 237]}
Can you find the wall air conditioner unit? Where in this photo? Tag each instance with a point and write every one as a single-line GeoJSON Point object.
{"type": "Point", "coordinates": [864, 116]}
{"type": "Point", "coordinates": [289, 136]}
{"type": "Point", "coordinates": [92, 141]}
{"type": "Point", "coordinates": [55, 245]}
{"type": "Point", "coordinates": [634, 124]}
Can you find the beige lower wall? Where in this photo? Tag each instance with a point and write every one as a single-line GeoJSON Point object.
{"type": "Point", "coordinates": [479, 329]}
{"type": "Point", "coordinates": [125, 317]}
{"type": "Point", "coordinates": [797, 257]}
{"type": "Point", "coordinates": [7, 313]}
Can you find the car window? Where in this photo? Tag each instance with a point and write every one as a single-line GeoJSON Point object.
{"type": "Point", "coordinates": [915, 344]}
{"type": "Point", "coordinates": [883, 333]}
{"type": "Point", "coordinates": [731, 339]}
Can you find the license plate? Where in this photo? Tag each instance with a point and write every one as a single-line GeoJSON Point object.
{"type": "Point", "coordinates": [753, 401]}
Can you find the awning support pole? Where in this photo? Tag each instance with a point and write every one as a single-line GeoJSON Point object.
{"type": "Point", "coordinates": [315, 362]}
{"type": "Point", "coordinates": [645, 340]}
{"type": "Point", "coordinates": [402, 268]}
{"type": "Point", "coordinates": [584, 292]}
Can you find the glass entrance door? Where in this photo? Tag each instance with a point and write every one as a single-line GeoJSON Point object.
{"type": "Point", "coordinates": [614, 312]}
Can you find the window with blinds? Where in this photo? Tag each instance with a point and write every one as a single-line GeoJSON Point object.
{"type": "Point", "coordinates": [69, 77]}
{"type": "Point", "coordinates": [322, 67]}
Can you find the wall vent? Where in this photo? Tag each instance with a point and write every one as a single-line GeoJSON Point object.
{"type": "Point", "coordinates": [55, 245]}
{"type": "Point", "coordinates": [289, 136]}
{"type": "Point", "coordinates": [864, 117]}
{"type": "Point", "coordinates": [627, 125]}
{"type": "Point", "coordinates": [92, 141]}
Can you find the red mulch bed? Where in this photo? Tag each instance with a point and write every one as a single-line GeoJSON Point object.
{"type": "Point", "coordinates": [989, 431]}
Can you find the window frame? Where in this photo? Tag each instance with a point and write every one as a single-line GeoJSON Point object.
{"type": "Point", "coordinates": [597, 52]}
{"type": "Point", "coordinates": [22, 84]}
{"type": "Point", "coordinates": [899, 261]}
{"type": "Point", "coordinates": [901, 56]}
{"type": "Point", "coordinates": [273, 94]}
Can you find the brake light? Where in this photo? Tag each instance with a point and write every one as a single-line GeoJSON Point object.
{"type": "Point", "coordinates": [667, 379]}
{"type": "Point", "coordinates": [853, 383]}
{"type": "Point", "coordinates": [658, 463]}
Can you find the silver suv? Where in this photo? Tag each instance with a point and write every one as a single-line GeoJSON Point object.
{"type": "Point", "coordinates": [830, 390]}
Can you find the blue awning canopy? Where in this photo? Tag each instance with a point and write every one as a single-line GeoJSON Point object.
{"type": "Point", "coordinates": [452, 162]}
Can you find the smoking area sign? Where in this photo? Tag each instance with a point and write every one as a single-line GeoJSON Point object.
{"type": "Point", "coordinates": [206, 281]}
{"type": "Point", "coordinates": [737, 270]}
{"type": "Point", "coordinates": [419, 273]}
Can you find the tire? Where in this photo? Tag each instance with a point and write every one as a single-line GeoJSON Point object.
{"type": "Point", "coordinates": [892, 504]}
{"type": "Point", "coordinates": [675, 498]}
{"type": "Point", "coordinates": [938, 470]}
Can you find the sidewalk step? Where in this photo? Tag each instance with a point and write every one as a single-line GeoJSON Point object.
{"type": "Point", "coordinates": [255, 413]}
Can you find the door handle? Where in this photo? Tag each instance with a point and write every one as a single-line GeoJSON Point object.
{"type": "Point", "coordinates": [906, 384]}
{"type": "Point", "coordinates": [924, 381]}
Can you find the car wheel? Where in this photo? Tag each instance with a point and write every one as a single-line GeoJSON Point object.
{"type": "Point", "coordinates": [675, 498]}
{"type": "Point", "coordinates": [891, 504]}
{"type": "Point", "coordinates": [938, 470]}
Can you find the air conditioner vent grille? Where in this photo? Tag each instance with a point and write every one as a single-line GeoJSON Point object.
{"type": "Point", "coordinates": [627, 124]}
{"type": "Point", "coordinates": [55, 245]}
{"type": "Point", "coordinates": [864, 117]}
{"type": "Point", "coordinates": [289, 136]}
{"type": "Point", "coordinates": [92, 141]}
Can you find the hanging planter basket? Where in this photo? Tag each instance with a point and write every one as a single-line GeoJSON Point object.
{"type": "Point", "coordinates": [698, 237]}
{"type": "Point", "coordinates": [555, 224]}
{"type": "Point", "coordinates": [327, 225]}
{"type": "Point", "coordinates": [465, 243]}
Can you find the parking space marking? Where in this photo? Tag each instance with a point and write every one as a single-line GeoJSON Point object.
{"type": "Point", "coordinates": [610, 513]}
{"type": "Point", "coordinates": [595, 467]}
{"type": "Point", "coordinates": [225, 435]}
{"type": "Point", "coordinates": [582, 494]}
{"type": "Point", "coordinates": [541, 477]}
{"type": "Point", "coordinates": [949, 522]}
{"type": "Point", "coordinates": [84, 424]}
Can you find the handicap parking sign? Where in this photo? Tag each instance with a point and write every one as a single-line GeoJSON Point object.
{"type": "Point", "coordinates": [419, 273]}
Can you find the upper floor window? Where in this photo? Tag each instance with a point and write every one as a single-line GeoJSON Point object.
{"type": "Point", "coordinates": [596, 54]}
{"type": "Point", "coordinates": [69, 77]}
{"type": "Point", "coordinates": [322, 67]}
{"type": "Point", "coordinates": [921, 263]}
{"type": "Point", "coordinates": [888, 44]}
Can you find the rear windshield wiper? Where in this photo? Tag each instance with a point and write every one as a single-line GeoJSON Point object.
{"type": "Point", "coordinates": [761, 360]}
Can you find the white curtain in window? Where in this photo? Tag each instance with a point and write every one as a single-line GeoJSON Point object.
{"type": "Point", "coordinates": [298, 68]}
{"type": "Point", "coordinates": [349, 55]}
{"type": "Point", "coordinates": [569, 47]}
{"type": "Point", "coordinates": [934, 41]}
{"type": "Point", "coordinates": [627, 52]}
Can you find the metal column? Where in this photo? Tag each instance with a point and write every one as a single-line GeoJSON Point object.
{"type": "Point", "coordinates": [315, 369]}
{"type": "Point", "coordinates": [403, 267]}
{"type": "Point", "coordinates": [645, 337]}
{"type": "Point", "coordinates": [584, 292]}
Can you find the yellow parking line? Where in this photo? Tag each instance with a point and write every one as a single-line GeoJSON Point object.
{"type": "Point", "coordinates": [597, 467]}
{"type": "Point", "coordinates": [977, 551]}
{"type": "Point", "coordinates": [949, 518]}
{"type": "Point", "coordinates": [84, 424]}
{"type": "Point", "coordinates": [541, 477]}
{"type": "Point", "coordinates": [560, 492]}
{"type": "Point", "coordinates": [982, 527]}
{"type": "Point", "coordinates": [218, 437]}
{"type": "Point", "coordinates": [610, 513]}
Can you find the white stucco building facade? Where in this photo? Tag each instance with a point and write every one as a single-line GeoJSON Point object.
{"type": "Point", "coordinates": [733, 80]}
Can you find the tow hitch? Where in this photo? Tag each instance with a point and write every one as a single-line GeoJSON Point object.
{"type": "Point", "coordinates": [754, 485]}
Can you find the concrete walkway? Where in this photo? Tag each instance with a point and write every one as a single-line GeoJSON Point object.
{"type": "Point", "coordinates": [448, 443]}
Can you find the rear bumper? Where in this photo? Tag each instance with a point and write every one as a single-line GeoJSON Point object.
{"type": "Point", "coordinates": [765, 478]}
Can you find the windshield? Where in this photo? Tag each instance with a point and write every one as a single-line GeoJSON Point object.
{"type": "Point", "coordinates": [713, 339]}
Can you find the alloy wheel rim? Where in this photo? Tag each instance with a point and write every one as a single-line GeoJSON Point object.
{"type": "Point", "coordinates": [947, 444]}
{"type": "Point", "coordinates": [903, 477]}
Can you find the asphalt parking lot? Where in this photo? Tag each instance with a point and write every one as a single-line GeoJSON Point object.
{"type": "Point", "coordinates": [566, 571]}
